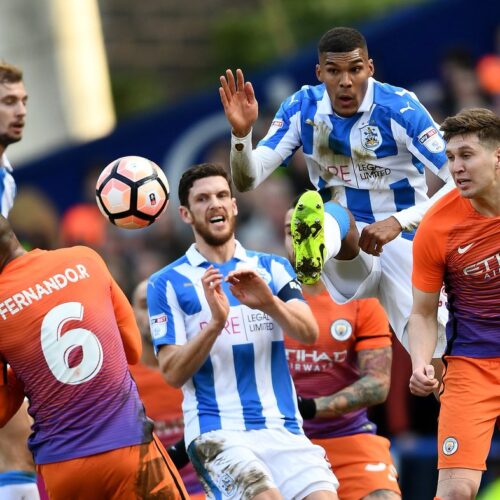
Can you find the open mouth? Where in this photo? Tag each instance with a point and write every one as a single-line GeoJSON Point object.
{"type": "Point", "coordinates": [217, 219]}
{"type": "Point", "coordinates": [462, 182]}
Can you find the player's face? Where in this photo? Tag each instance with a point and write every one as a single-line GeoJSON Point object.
{"type": "Point", "coordinates": [345, 75]}
{"type": "Point", "coordinates": [13, 100]}
{"type": "Point", "coordinates": [140, 305]}
{"type": "Point", "coordinates": [212, 211]}
{"type": "Point", "coordinates": [288, 236]}
{"type": "Point", "coordinates": [475, 166]}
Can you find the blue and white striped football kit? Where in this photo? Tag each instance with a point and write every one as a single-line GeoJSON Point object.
{"type": "Point", "coordinates": [372, 162]}
{"type": "Point", "coordinates": [7, 186]}
{"type": "Point", "coordinates": [245, 383]}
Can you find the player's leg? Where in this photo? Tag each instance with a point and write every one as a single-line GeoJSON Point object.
{"type": "Point", "coordinates": [458, 484]}
{"type": "Point", "coordinates": [130, 473]}
{"type": "Point", "coordinates": [363, 465]}
{"type": "Point", "coordinates": [227, 468]}
{"type": "Point", "coordinates": [18, 485]}
{"type": "Point", "coordinates": [299, 467]}
{"type": "Point", "coordinates": [471, 390]}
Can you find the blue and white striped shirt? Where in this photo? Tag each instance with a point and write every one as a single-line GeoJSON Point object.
{"type": "Point", "coordinates": [7, 186]}
{"type": "Point", "coordinates": [374, 160]}
{"type": "Point", "coordinates": [245, 382]}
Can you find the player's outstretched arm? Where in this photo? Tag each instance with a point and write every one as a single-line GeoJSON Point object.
{"type": "Point", "coordinates": [422, 331]}
{"type": "Point", "coordinates": [370, 389]}
{"type": "Point", "coordinates": [238, 99]}
{"type": "Point", "coordinates": [179, 363]}
{"type": "Point", "coordinates": [294, 317]}
{"type": "Point", "coordinates": [11, 394]}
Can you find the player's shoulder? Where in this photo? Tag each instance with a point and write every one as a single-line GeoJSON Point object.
{"type": "Point", "coordinates": [305, 95]}
{"type": "Point", "coordinates": [78, 251]}
{"type": "Point", "coordinates": [400, 102]}
{"type": "Point", "coordinates": [447, 208]}
{"type": "Point", "coordinates": [168, 272]}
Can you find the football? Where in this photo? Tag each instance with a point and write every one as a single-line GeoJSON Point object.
{"type": "Point", "coordinates": [132, 192]}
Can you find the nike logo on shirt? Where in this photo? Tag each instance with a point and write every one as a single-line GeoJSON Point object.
{"type": "Point", "coordinates": [464, 249]}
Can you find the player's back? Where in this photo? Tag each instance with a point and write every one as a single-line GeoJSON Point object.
{"type": "Point", "coordinates": [61, 337]}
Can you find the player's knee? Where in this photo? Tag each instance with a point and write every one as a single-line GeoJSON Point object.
{"type": "Point", "coordinates": [457, 489]}
{"type": "Point", "coordinates": [382, 495]}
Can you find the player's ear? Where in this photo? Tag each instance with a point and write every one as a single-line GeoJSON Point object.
{"type": "Point", "coordinates": [318, 73]}
{"type": "Point", "coordinates": [185, 214]}
{"type": "Point", "coordinates": [371, 66]}
{"type": "Point", "coordinates": [235, 207]}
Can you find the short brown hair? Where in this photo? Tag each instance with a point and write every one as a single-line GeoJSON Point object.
{"type": "Point", "coordinates": [200, 172]}
{"type": "Point", "coordinates": [480, 121]}
{"type": "Point", "coordinates": [10, 73]}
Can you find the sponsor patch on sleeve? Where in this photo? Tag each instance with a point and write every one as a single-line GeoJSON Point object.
{"type": "Point", "coordinates": [277, 123]}
{"type": "Point", "coordinates": [431, 139]}
{"type": "Point", "coordinates": [158, 325]}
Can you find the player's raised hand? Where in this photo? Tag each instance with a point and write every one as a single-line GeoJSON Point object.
{"type": "Point", "coordinates": [238, 99]}
{"type": "Point", "coordinates": [250, 289]}
{"type": "Point", "coordinates": [422, 381]}
{"type": "Point", "coordinates": [375, 236]}
{"type": "Point", "coordinates": [216, 298]}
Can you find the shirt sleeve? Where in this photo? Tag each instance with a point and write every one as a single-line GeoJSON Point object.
{"type": "Point", "coordinates": [428, 257]}
{"type": "Point", "coordinates": [127, 324]}
{"type": "Point", "coordinates": [372, 328]}
{"type": "Point", "coordinates": [124, 314]}
{"type": "Point", "coordinates": [166, 318]}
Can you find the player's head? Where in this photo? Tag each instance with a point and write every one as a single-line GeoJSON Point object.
{"type": "Point", "coordinates": [288, 236]}
{"type": "Point", "coordinates": [13, 99]}
{"type": "Point", "coordinates": [140, 305]}
{"type": "Point", "coordinates": [473, 150]}
{"type": "Point", "coordinates": [207, 203]}
{"type": "Point", "coordinates": [10, 248]}
{"type": "Point", "coordinates": [344, 67]}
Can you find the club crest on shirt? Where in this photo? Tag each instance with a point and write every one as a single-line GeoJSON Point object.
{"type": "Point", "coordinates": [371, 138]}
{"type": "Point", "coordinates": [227, 485]}
{"type": "Point", "coordinates": [341, 329]}
{"type": "Point", "coordinates": [158, 325]}
{"type": "Point", "coordinates": [450, 446]}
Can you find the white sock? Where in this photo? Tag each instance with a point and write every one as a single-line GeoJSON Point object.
{"type": "Point", "coordinates": [332, 236]}
{"type": "Point", "coordinates": [349, 274]}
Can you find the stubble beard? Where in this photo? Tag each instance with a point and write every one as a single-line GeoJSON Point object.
{"type": "Point", "coordinates": [213, 239]}
{"type": "Point", "coordinates": [7, 140]}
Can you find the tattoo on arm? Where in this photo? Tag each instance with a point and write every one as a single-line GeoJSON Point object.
{"type": "Point", "coordinates": [370, 389]}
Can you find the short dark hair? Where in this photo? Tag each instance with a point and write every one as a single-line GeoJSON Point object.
{"type": "Point", "coordinates": [480, 121]}
{"type": "Point", "coordinates": [200, 172]}
{"type": "Point", "coordinates": [341, 39]}
{"type": "Point", "coordinates": [10, 73]}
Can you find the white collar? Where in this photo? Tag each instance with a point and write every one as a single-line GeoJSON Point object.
{"type": "Point", "coordinates": [195, 258]}
{"type": "Point", "coordinates": [325, 105]}
{"type": "Point", "coordinates": [5, 163]}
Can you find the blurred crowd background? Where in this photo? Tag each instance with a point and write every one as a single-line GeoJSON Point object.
{"type": "Point", "coordinates": [111, 78]}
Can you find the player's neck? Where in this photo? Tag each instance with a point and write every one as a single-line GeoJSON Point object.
{"type": "Point", "coordinates": [217, 254]}
{"type": "Point", "coordinates": [488, 205]}
{"type": "Point", "coordinates": [2, 151]}
{"type": "Point", "coordinates": [314, 289]}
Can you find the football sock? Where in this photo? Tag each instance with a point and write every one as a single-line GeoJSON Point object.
{"type": "Point", "coordinates": [348, 274]}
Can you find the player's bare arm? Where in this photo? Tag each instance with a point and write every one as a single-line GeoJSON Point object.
{"type": "Point", "coordinates": [238, 99]}
{"type": "Point", "coordinates": [11, 394]}
{"type": "Point", "coordinates": [371, 388]}
{"type": "Point", "coordinates": [295, 317]}
{"type": "Point", "coordinates": [180, 362]}
{"type": "Point", "coordinates": [376, 235]}
{"type": "Point", "coordinates": [422, 332]}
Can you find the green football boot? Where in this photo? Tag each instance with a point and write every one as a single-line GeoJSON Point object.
{"type": "Point", "coordinates": [308, 236]}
